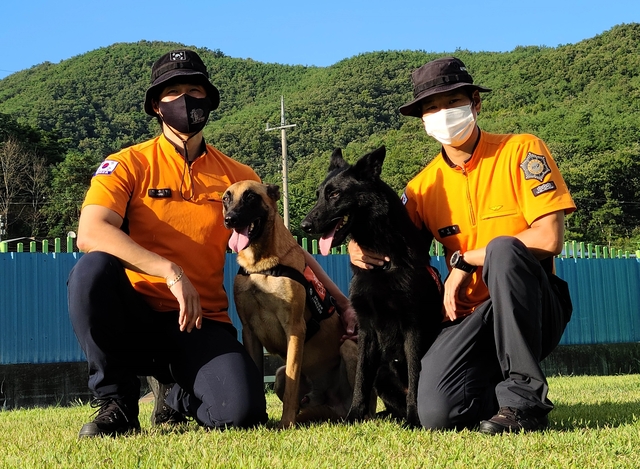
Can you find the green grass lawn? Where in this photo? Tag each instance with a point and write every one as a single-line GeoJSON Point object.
{"type": "Point", "coordinates": [596, 423]}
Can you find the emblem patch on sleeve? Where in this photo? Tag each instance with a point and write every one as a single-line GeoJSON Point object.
{"type": "Point", "coordinates": [535, 167]}
{"type": "Point", "coordinates": [107, 167]}
{"type": "Point", "coordinates": [404, 198]}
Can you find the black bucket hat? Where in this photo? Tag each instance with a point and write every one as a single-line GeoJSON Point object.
{"type": "Point", "coordinates": [179, 64]}
{"type": "Point", "coordinates": [437, 76]}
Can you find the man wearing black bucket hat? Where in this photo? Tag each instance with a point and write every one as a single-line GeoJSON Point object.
{"type": "Point", "coordinates": [497, 204]}
{"type": "Point", "coordinates": [147, 297]}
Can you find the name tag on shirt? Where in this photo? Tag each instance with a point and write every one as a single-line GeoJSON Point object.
{"type": "Point", "coordinates": [159, 193]}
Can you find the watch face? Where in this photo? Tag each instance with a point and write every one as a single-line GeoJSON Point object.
{"type": "Point", "coordinates": [454, 258]}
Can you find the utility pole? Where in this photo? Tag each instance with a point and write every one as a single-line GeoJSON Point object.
{"type": "Point", "coordinates": [285, 184]}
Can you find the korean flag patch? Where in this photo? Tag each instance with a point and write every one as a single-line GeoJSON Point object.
{"type": "Point", "coordinates": [535, 167]}
{"type": "Point", "coordinates": [107, 167]}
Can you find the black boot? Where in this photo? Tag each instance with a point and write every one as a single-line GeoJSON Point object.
{"type": "Point", "coordinates": [162, 413]}
{"type": "Point", "coordinates": [113, 417]}
{"type": "Point", "coordinates": [510, 420]}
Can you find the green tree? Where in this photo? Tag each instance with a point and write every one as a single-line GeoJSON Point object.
{"type": "Point", "coordinates": [69, 183]}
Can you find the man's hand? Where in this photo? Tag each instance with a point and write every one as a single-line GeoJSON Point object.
{"type": "Point", "coordinates": [456, 280]}
{"type": "Point", "coordinates": [190, 310]}
{"type": "Point", "coordinates": [349, 321]}
{"type": "Point", "coordinates": [365, 259]}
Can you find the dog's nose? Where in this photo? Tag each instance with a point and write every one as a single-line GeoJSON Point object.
{"type": "Point", "coordinates": [229, 220]}
{"type": "Point", "coordinates": [306, 226]}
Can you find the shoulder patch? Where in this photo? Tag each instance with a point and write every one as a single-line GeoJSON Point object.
{"type": "Point", "coordinates": [404, 198]}
{"type": "Point", "coordinates": [107, 167]}
{"type": "Point", "coordinates": [542, 188]}
{"type": "Point", "coordinates": [535, 167]}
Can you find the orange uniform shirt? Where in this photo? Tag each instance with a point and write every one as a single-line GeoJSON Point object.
{"type": "Point", "coordinates": [509, 182]}
{"type": "Point", "coordinates": [143, 184]}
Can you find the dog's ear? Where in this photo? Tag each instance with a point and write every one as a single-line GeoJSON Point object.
{"type": "Point", "coordinates": [370, 165]}
{"type": "Point", "coordinates": [336, 160]}
{"type": "Point", "coordinates": [273, 191]}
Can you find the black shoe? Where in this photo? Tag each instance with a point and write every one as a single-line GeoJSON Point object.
{"type": "Point", "coordinates": [162, 413]}
{"type": "Point", "coordinates": [510, 420]}
{"type": "Point", "coordinates": [113, 418]}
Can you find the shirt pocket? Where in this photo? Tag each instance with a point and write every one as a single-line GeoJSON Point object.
{"type": "Point", "coordinates": [499, 213]}
{"type": "Point", "coordinates": [505, 222]}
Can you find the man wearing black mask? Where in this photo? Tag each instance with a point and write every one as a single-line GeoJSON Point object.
{"type": "Point", "coordinates": [147, 297]}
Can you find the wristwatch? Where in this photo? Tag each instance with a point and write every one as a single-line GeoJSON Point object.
{"type": "Point", "coordinates": [458, 262]}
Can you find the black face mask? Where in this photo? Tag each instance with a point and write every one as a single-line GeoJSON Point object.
{"type": "Point", "coordinates": [186, 114]}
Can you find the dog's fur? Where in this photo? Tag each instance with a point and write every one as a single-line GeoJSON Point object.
{"type": "Point", "coordinates": [399, 306]}
{"type": "Point", "coordinates": [318, 374]}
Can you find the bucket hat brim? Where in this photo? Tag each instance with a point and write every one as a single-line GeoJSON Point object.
{"type": "Point", "coordinates": [414, 108]}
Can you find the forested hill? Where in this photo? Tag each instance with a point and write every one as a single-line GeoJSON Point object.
{"type": "Point", "coordinates": [583, 99]}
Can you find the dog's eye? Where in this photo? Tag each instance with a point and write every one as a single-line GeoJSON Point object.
{"type": "Point", "coordinates": [334, 194]}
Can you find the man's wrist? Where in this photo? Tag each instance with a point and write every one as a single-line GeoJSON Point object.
{"type": "Point", "coordinates": [457, 262]}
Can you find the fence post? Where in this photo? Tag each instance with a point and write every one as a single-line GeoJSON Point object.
{"type": "Point", "coordinates": [20, 247]}
{"type": "Point", "coordinates": [69, 244]}
{"type": "Point", "coordinates": [32, 246]}
{"type": "Point", "coordinates": [45, 246]}
{"type": "Point", "coordinates": [56, 244]}
{"type": "Point", "coordinates": [314, 246]}
{"type": "Point", "coordinates": [589, 249]}
{"type": "Point", "coordinates": [305, 244]}
{"type": "Point", "coordinates": [4, 247]}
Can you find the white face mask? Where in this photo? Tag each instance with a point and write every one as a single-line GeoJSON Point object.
{"type": "Point", "coordinates": [451, 126]}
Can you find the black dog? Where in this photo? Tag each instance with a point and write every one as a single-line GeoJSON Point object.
{"type": "Point", "coordinates": [399, 305]}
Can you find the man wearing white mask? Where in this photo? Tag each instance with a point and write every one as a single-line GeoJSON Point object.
{"type": "Point", "coordinates": [497, 204]}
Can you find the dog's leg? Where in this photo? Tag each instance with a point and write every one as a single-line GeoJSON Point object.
{"type": "Point", "coordinates": [293, 368]}
{"type": "Point", "coordinates": [412, 344]}
{"type": "Point", "coordinates": [254, 347]}
{"type": "Point", "coordinates": [368, 363]}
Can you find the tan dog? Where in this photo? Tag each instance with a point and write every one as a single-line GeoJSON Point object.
{"type": "Point", "coordinates": [319, 373]}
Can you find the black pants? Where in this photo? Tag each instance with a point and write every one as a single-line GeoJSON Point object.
{"type": "Point", "coordinates": [491, 358]}
{"type": "Point", "coordinates": [122, 337]}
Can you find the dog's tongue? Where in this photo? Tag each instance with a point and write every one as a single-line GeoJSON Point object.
{"type": "Point", "coordinates": [327, 239]}
{"type": "Point", "coordinates": [239, 240]}
{"type": "Point", "coordinates": [325, 243]}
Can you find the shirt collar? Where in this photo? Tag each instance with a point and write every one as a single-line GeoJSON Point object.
{"type": "Point", "coordinates": [180, 148]}
{"type": "Point", "coordinates": [475, 145]}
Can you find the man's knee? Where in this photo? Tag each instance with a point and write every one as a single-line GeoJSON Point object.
{"type": "Point", "coordinates": [239, 414]}
{"type": "Point", "coordinates": [91, 267]}
{"type": "Point", "coordinates": [435, 412]}
{"type": "Point", "coordinates": [504, 247]}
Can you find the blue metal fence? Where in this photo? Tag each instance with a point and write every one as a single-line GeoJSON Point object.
{"type": "Point", "coordinates": [35, 328]}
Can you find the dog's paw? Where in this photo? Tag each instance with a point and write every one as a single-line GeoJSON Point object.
{"type": "Point", "coordinates": [355, 415]}
{"type": "Point", "coordinates": [412, 420]}
{"type": "Point", "coordinates": [286, 425]}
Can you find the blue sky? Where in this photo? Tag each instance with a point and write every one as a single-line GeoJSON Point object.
{"type": "Point", "coordinates": [298, 32]}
